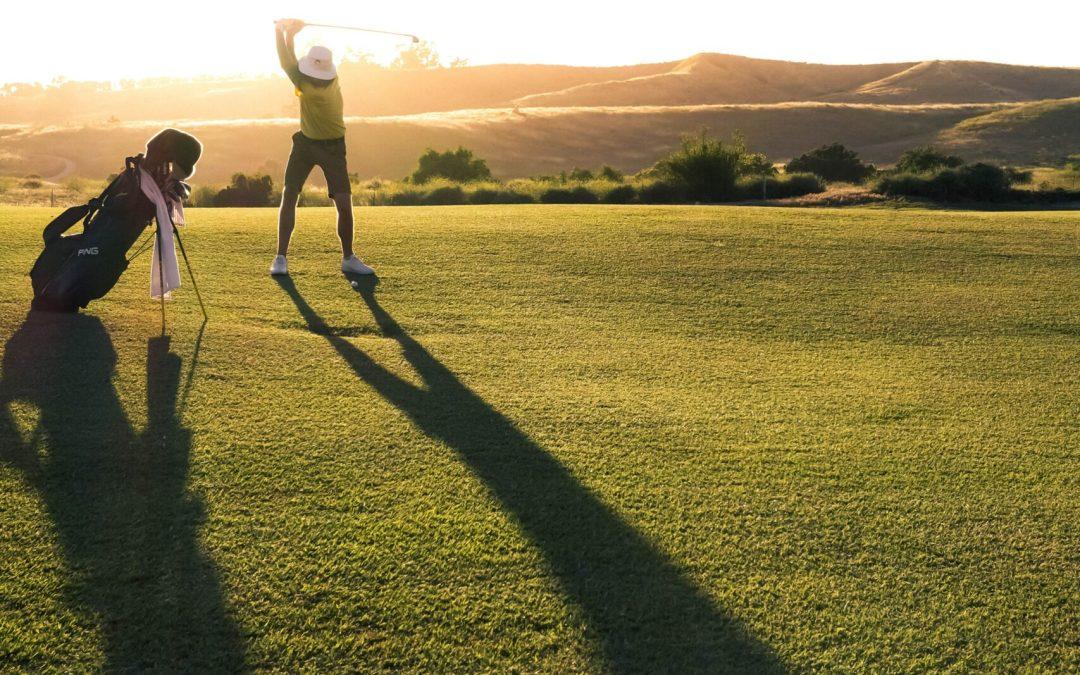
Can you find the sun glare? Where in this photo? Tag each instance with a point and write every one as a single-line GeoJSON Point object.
{"type": "Point", "coordinates": [219, 38]}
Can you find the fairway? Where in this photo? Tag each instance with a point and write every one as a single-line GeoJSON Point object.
{"type": "Point", "coordinates": [558, 439]}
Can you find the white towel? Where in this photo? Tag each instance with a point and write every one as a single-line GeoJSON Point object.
{"type": "Point", "coordinates": [170, 212]}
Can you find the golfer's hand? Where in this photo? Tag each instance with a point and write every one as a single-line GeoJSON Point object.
{"type": "Point", "coordinates": [291, 26]}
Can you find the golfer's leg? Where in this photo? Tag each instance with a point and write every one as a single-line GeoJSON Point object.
{"type": "Point", "coordinates": [301, 162]}
{"type": "Point", "coordinates": [343, 202]}
{"type": "Point", "coordinates": [286, 219]}
{"type": "Point", "coordinates": [336, 171]}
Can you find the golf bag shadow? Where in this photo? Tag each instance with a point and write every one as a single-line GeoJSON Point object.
{"type": "Point", "coordinates": [74, 269]}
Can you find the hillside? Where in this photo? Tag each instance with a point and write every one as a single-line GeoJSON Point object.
{"type": "Point", "coordinates": [968, 82]}
{"type": "Point", "coordinates": [368, 90]}
{"type": "Point", "coordinates": [528, 119]}
{"type": "Point", "coordinates": [722, 78]}
{"type": "Point", "coordinates": [516, 142]}
{"type": "Point", "coordinates": [703, 79]}
{"type": "Point", "coordinates": [1043, 132]}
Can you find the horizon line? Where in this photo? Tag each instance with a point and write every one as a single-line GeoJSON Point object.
{"type": "Point", "coordinates": [274, 71]}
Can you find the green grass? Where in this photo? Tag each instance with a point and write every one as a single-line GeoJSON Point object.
{"type": "Point", "coordinates": [554, 439]}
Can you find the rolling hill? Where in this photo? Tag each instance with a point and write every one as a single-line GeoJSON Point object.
{"type": "Point", "coordinates": [968, 82]}
{"type": "Point", "coordinates": [722, 78]}
{"type": "Point", "coordinates": [516, 142]}
{"type": "Point", "coordinates": [528, 119]}
{"type": "Point", "coordinates": [1041, 132]}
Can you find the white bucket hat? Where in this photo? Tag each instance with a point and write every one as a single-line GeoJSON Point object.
{"type": "Point", "coordinates": [319, 63]}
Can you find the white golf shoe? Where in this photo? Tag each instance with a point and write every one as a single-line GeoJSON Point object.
{"type": "Point", "coordinates": [353, 265]}
{"type": "Point", "coordinates": [280, 267]}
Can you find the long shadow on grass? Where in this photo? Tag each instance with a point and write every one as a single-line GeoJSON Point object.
{"type": "Point", "coordinates": [642, 611]}
{"type": "Point", "coordinates": [126, 524]}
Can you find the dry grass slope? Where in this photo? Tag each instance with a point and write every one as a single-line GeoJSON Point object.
{"type": "Point", "coordinates": [968, 82]}
{"type": "Point", "coordinates": [1044, 132]}
{"type": "Point", "coordinates": [528, 119]}
{"type": "Point", "coordinates": [723, 78]}
{"type": "Point", "coordinates": [516, 142]}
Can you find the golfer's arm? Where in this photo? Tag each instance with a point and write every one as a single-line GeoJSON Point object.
{"type": "Point", "coordinates": [286, 51]}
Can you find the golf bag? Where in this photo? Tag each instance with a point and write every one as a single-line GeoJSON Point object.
{"type": "Point", "coordinates": [78, 268]}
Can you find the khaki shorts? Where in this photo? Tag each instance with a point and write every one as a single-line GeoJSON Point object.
{"type": "Point", "coordinates": [327, 155]}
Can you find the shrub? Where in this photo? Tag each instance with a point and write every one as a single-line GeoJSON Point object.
{"type": "Point", "coordinates": [457, 165]}
{"type": "Point", "coordinates": [490, 196]}
{"type": "Point", "coordinates": [706, 168]}
{"type": "Point", "coordinates": [832, 162]}
{"type": "Point", "coordinates": [609, 174]}
{"type": "Point", "coordinates": [978, 182]}
{"type": "Point", "coordinates": [780, 187]}
{"type": "Point", "coordinates": [622, 194]}
{"type": "Point", "coordinates": [581, 175]}
{"type": "Point", "coordinates": [924, 159]}
{"type": "Point", "coordinates": [406, 198]}
{"type": "Point", "coordinates": [984, 182]}
{"type": "Point", "coordinates": [661, 192]}
{"type": "Point", "coordinates": [578, 195]}
{"type": "Point", "coordinates": [32, 181]}
{"type": "Point", "coordinates": [483, 196]}
{"type": "Point", "coordinates": [756, 164]}
{"type": "Point", "coordinates": [312, 198]}
{"type": "Point", "coordinates": [1019, 176]}
{"type": "Point", "coordinates": [75, 184]}
{"type": "Point", "coordinates": [246, 191]}
{"type": "Point", "coordinates": [202, 196]}
{"type": "Point", "coordinates": [445, 196]}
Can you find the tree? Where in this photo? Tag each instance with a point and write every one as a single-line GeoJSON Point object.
{"type": "Point", "coordinates": [457, 165]}
{"type": "Point", "coordinates": [418, 56]}
{"type": "Point", "coordinates": [246, 191]}
{"type": "Point", "coordinates": [751, 163]}
{"type": "Point", "coordinates": [924, 159]}
{"type": "Point", "coordinates": [832, 162]}
{"type": "Point", "coordinates": [608, 173]}
{"type": "Point", "coordinates": [755, 164]}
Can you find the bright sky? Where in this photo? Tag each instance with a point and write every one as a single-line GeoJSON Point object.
{"type": "Point", "coordinates": [102, 41]}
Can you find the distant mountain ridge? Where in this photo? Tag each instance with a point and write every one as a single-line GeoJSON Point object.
{"type": "Point", "coordinates": [702, 79]}
{"type": "Point", "coordinates": [530, 119]}
{"type": "Point", "coordinates": [721, 78]}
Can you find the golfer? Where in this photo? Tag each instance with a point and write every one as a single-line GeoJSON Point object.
{"type": "Point", "coordinates": [320, 142]}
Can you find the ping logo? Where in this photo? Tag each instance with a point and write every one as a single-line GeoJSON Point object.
{"type": "Point", "coordinates": [89, 251]}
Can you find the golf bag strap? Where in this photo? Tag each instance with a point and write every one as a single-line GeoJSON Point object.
{"type": "Point", "coordinates": [64, 222]}
{"type": "Point", "coordinates": [95, 204]}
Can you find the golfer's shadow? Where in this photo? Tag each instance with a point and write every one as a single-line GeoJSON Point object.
{"type": "Point", "coordinates": [125, 522]}
{"type": "Point", "coordinates": [642, 611]}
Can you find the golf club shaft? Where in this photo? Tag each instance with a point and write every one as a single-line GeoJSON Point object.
{"type": "Point", "coordinates": [364, 30]}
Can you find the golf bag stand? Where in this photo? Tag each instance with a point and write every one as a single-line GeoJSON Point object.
{"type": "Point", "coordinates": [74, 269]}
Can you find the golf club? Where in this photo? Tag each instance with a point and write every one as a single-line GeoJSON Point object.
{"type": "Point", "coordinates": [415, 39]}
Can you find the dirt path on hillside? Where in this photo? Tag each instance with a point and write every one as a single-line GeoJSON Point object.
{"type": "Point", "coordinates": [67, 170]}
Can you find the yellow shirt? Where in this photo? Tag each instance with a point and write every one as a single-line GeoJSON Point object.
{"type": "Point", "coordinates": [322, 114]}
